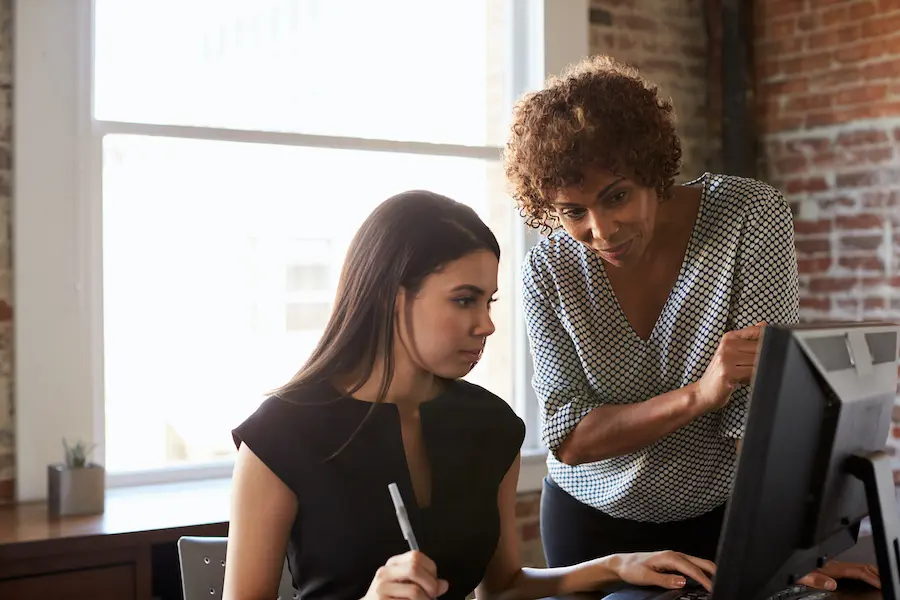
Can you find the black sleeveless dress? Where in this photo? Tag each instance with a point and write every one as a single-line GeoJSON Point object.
{"type": "Point", "coordinates": [346, 527]}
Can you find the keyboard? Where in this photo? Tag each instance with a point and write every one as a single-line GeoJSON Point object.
{"type": "Point", "coordinates": [795, 592]}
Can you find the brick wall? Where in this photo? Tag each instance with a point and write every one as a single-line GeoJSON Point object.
{"type": "Point", "coordinates": [7, 459]}
{"type": "Point", "coordinates": [667, 41]}
{"type": "Point", "coordinates": [829, 113]}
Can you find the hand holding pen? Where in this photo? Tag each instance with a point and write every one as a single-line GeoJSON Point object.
{"type": "Point", "coordinates": [410, 576]}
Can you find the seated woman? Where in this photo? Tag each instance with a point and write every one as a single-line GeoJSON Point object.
{"type": "Point", "coordinates": [380, 400]}
{"type": "Point", "coordinates": [644, 313]}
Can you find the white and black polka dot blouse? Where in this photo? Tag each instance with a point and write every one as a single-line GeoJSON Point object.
{"type": "Point", "coordinates": [740, 268]}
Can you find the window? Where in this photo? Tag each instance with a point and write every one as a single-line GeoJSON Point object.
{"type": "Point", "coordinates": [209, 186]}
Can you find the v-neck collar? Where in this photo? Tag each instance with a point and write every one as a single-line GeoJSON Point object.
{"type": "Point", "coordinates": [689, 253]}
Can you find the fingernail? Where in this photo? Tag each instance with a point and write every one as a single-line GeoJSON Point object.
{"type": "Point", "coordinates": [680, 582]}
{"type": "Point", "coordinates": [830, 585]}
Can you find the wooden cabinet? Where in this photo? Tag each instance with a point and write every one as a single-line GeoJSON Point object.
{"type": "Point", "coordinates": [83, 584]}
{"type": "Point", "coordinates": [127, 553]}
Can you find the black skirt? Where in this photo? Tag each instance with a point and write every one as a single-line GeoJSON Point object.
{"type": "Point", "coordinates": [573, 532]}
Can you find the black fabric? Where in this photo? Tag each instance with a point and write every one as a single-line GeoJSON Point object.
{"type": "Point", "coordinates": [346, 527]}
{"type": "Point", "coordinates": [574, 532]}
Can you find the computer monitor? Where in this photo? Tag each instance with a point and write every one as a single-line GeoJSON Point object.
{"type": "Point", "coordinates": [813, 463]}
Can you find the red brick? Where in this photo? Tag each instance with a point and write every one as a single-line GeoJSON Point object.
{"type": "Point", "coordinates": [886, 109]}
{"type": "Point", "coordinates": [807, 22]}
{"type": "Point", "coordinates": [892, 45]}
{"type": "Point", "coordinates": [529, 532]}
{"type": "Point", "coordinates": [863, 138]}
{"type": "Point", "coordinates": [790, 165]}
{"type": "Point", "coordinates": [830, 38]}
{"type": "Point", "coordinates": [871, 48]}
{"type": "Point", "coordinates": [782, 124]}
{"type": "Point", "coordinates": [812, 227]}
{"type": "Point", "coordinates": [831, 284]}
{"type": "Point", "coordinates": [776, 29]}
{"type": "Point", "coordinates": [822, 119]}
{"type": "Point", "coordinates": [636, 22]}
{"type": "Point", "coordinates": [779, 48]}
{"type": "Point", "coordinates": [807, 303]}
{"type": "Point", "coordinates": [670, 65]}
{"type": "Point", "coordinates": [808, 185]}
{"type": "Point", "coordinates": [527, 508]}
{"type": "Point", "coordinates": [874, 303]}
{"type": "Point", "coordinates": [777, 8]}
{"type": "Point", "coordinates": [857, 179]}
{"type": "Point", "coordinates": [869, 156]}
{"type": "Point", "coordinates": [811, 246]}
{"type": "Point", "coordinates": [625, 41]}
{"type": "Point", "coordinates": [861, 263]}
{"type": "Point", "coordinates": [862, 10]}
{"type": "Point", "coordinates": [865, 94]}
{"type": "Point", "coordinates": [888, 5]}
{"type": "Point", "coordinates": [834, 16]}
{"type": "Point", "coordinates": [808, 102]}
{"type": "Point", "coordinates": [836, 77]}
{"type": "Point", "coordinates": [881, 199]}
{"type": "Point", "coordinates": [836, 202]}
{"type": "Point", "coordinates": [767, 69]}
{"type": "Point", "coordinates": [884, 25]}
{"type": "Point", "coordinates": [861, 242]}
{"type": "Point", "coordinates": [810, 266]}
{"type": "Point", "coordinates": [807, 64]}
{"type": "Point", "coordinates": [828, 159]}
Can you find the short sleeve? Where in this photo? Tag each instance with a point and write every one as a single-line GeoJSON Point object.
{"type": "Point", "coordinates": [766, 284]}
{"type": "Point", "coordinates": [270, 433]}
{"type": "Point", "coordinates": [559, 381]}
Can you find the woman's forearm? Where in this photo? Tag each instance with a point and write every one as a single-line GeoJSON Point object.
{"type": "Point", "coordinates": [532, 584]}
{"type": "Point", "coordinates": [616, 429]}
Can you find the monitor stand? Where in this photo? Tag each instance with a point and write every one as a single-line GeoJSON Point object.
{"type": "Point", "coordinates": [874, 470]}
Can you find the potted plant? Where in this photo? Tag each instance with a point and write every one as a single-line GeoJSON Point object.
{"type": "Point", "coordinates": [78, 486]}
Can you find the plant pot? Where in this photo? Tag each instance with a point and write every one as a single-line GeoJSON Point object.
{"type": "Point", "coordinates": [75, 491]}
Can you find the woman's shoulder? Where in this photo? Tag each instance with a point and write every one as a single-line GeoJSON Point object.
{"type": "Point", "coordinates": [742, 196]}
{"type": "Point", "coordinates": [554, 262]}
{"type": "Point", "coordinates": [301, 422]}
{"type": "Point", "coordinates": [482, 408]}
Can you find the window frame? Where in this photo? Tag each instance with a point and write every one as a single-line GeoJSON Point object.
{"type": "Point", "coordinates": [57, 261]}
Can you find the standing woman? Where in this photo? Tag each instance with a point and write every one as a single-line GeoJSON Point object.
{"type": "Point", "coordinates": [644, 313]}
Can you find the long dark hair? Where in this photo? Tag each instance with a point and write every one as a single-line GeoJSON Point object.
{"type": "Point", "coordinates": [406, 238]}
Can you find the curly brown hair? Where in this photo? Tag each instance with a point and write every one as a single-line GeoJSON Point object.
{"type": "Point", "coordinates": [597, 114]}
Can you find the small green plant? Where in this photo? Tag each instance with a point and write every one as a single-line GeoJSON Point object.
{"type": "Point", "coordinates": [77, 454]}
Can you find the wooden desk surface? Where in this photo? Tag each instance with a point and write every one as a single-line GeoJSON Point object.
{"type": "Point", "coordinates": [151, 511]}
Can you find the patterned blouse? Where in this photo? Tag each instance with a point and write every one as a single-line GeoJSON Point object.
{"type": "Point", "coordinates": [740, 268]}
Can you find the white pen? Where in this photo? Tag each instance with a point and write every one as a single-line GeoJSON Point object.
{"type": "Point", "coordinates": [402, 517]}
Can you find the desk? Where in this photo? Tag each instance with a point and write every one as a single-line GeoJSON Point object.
{"type": "Point", "coordinates": [127, 553]}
